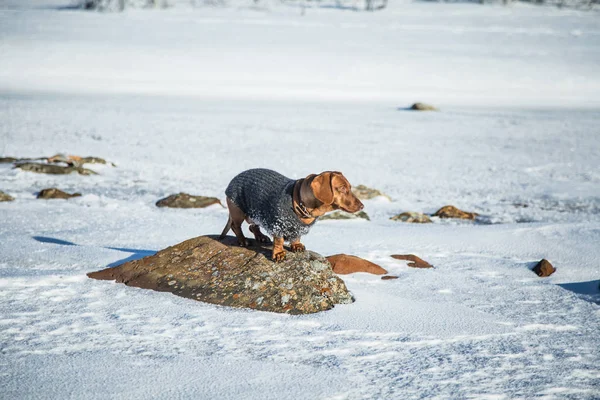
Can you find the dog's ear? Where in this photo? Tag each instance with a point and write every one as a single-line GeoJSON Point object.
{"type": "Point", "coordinates": [321, 187]}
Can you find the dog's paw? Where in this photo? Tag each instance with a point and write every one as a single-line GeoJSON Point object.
{"type": "Point", "coordinates": [297, 247]}
{"type": "Point", "coordinates": [277, 257]}
{"type": "Point", "coordinates": [263, 239]}
{"type": "Point", "coordinates": [243, 243]}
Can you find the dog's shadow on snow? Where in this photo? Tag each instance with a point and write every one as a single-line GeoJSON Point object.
{"type": "Point", "coordinates": [136, 254]}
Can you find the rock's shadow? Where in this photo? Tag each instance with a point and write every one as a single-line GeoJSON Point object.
{"type": "Point", "coordinates": [589, 290]}
{"type": "Point", "coordinates": [136, 254]}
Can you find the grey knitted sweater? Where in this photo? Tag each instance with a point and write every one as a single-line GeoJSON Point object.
{"type": "Point", "coordinates": [266, 196]}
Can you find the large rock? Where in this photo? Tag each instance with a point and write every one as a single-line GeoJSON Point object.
{"type": "Point", "coordinates": [339, 214]}
{"type": "Point", "coordinates": [54, 169]}
{"type": "Point", "coordinates": [365, 193]}
{"type": "Point", "coordinates": [453, 212]}
{"type": "Point", "coordinates": [5, 196]}
{"type": "Point", "coordinates": [54, 193]}
{"type": "Point", "coordinates": [544, 268]}
{"type": "Point", "coordinates": [344, 264]}
{"type": "Point", "coordinates": [415, 262]}
{"type": "Point", "coordinates": [221, 272]}
{"type": "Point", "coordinates": [184, 200]}
{"type": "Point", "coordinates": [412, 217]}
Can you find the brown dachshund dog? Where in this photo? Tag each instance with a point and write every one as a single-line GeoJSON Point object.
{"type": "Point", "coordinates": [284, 207]}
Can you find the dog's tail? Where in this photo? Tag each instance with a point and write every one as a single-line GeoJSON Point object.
{"type": "Point", "coordinates": [226, 229]}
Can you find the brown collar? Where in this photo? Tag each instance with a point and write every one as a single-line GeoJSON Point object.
{"type": "Point", "coordinates": [299, 208]}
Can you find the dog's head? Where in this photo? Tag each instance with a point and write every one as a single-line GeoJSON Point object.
{"type": "Point", "coordinates": [333, 191]}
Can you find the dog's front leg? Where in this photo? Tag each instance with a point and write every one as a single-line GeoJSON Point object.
{"type": "Point", "coordinates": [296, 246]}
{"type": "Point", "coordinates": [278, 251]}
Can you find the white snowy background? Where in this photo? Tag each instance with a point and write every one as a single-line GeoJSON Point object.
{"type": "Point", "coordinates": [185, 98]}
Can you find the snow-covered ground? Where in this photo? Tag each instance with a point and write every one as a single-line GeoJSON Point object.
{"type": "Point", "coordinates": [183, 99]}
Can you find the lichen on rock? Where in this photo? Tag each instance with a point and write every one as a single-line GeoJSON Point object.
{"type": "Point", "coordinates": [412, 217]}
{"type": "Point", "coordinates": [338, 214]}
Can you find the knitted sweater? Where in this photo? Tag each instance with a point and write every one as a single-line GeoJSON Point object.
{"type": "Point", "coordinates": [265, 196]}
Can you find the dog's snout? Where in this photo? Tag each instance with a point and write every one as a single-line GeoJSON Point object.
{"type": "Point", "coordinates": [360, 206]}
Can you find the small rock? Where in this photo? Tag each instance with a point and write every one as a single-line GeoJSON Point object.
{"type": "Point", "coordinates": [5, 196]}
{"type": "Point", "coordinates": [415, 262]}
{"type": "Point", "coordinates": [423, 107]}
{"type": "Point", "coordinates": [77, 160]}
{"type": "Point", "coordinates": [54, 169]}
{"type": "Point", "coordinates": [544, 268]}
{"type": "Point", "coordinates": [388, 277]}
{"type": "Point", "coordinates": [413, 217]}
{"type": "Point", "coordinates": [453, 212]}
{"type": "Point", "coordinates": [184, 200]}
{"type": "Point", "coordinates": [365, 193]}
{"type": "Point", "coordinates": [7, 160]}
{"type": "Point", "coordinates": [344, 264]}
{"type": "Point", "coordinates": [338, 214]}
{"type": "Point", "coordinates": [54, 193]}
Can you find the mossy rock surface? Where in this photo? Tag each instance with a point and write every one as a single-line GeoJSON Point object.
{"type": "Point", "coordinates": [184, 200]}
{"type": "Point", "coordinates": [54, 169]}
{"type": "Point", "coordinates": [220, 272]}
{"type": "Point", "coordinates": [54, 193]}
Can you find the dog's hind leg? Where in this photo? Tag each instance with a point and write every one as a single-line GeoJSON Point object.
{"type": "Point", "coordinates": [260, 237]}
{"type": "Point", "coordinates": [236, 218]}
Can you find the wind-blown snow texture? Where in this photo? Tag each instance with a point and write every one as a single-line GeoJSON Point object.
{"type": "Point", "coordinates": [183, 100]}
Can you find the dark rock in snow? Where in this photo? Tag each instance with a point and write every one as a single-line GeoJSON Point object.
{"type": "Point", "coordinates": [412, 217]}
{"type": "Point", "coordinates": [184, 200]}
{"type": "Point", "coordinates": [5, 196]}
{"type": "Point", "coordinates": [423, 107]}
{"type": "Point", "coordinates": [544, 268]}
{"type": "Point", "coordinates": [388, 277]}
{"type": "Point", "coordinates": [415, 262]}
{"type": "Point", "coordinates": [365, 193]}
{"type": "Point", "coordinates": [453, 212]}
{"type": "Point", "coordinates": [221, 272]}
{"type": "Point", "coordinates": [54, 169]}
{"type": "Point", "coordinates": [54, 193]}
{"type": "Point", "coordinates": [344, 264]}
{"type": "Point", "coordinates": [7, 160]}
{"type": "Point", "coordinates": [338, 214]}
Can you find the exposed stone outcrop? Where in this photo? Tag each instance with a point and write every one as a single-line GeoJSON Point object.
{"type": "Point", "coordinates": [54, 193]}
{"type": "Point", "coordinates": [184, 200]}
{"type": "Point", "coordinates": [5, 196]}
{"type": "Point", "coordinates": [365, 193]}
{"type": "Point", "coordinates": [415, 262]}
{"type": "Point", "coordinates": [544, 268]}
{"type": "Point", "coordinates": [453, 212]}
{"type": "Point", "coordinates": [338, 214]}
{"type": "Point", "coordinates": [53, 169]}
{"type": "Point", "coordinates": [423, 107]}
{"type": "Point", "coordinates": [413, 217]}
{"type": "Point", "coordinates": [344, 264]}
{"type": "Point", "coordinates": [221, 272]}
